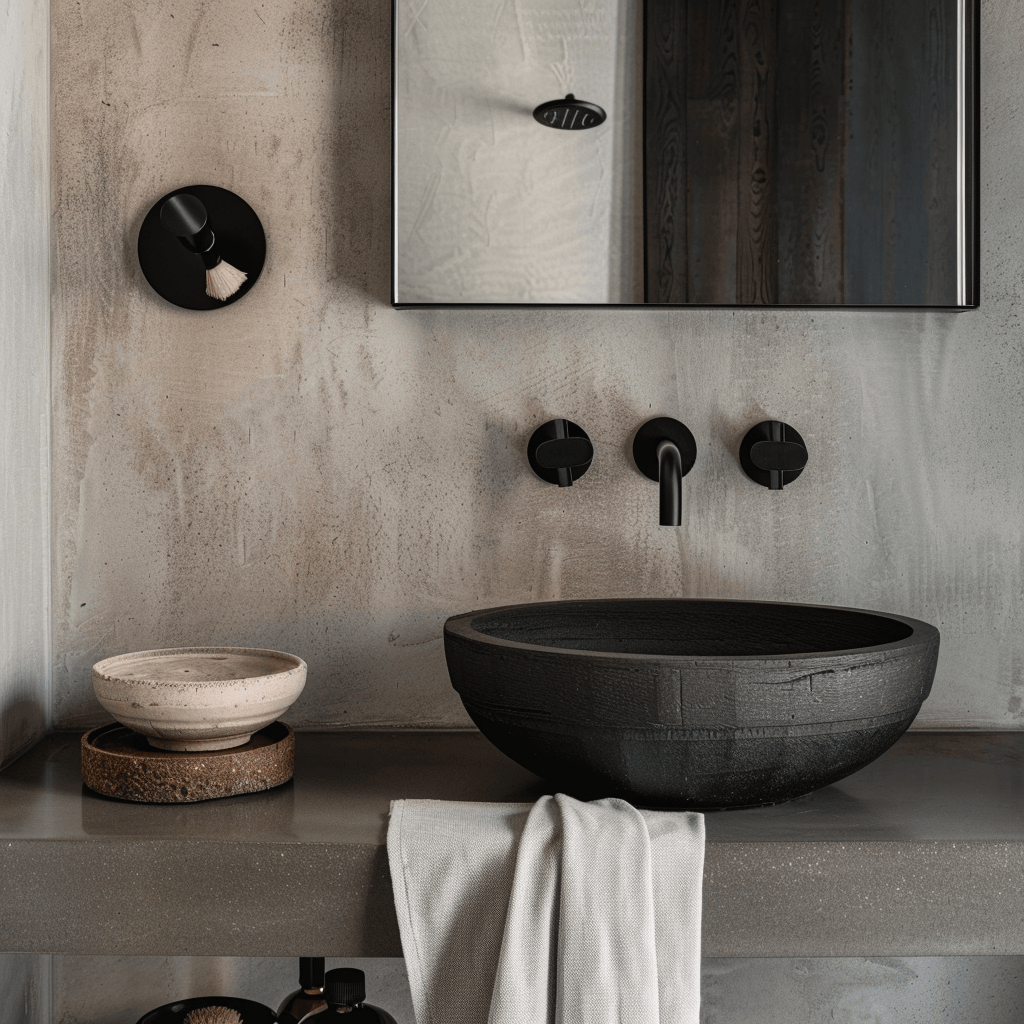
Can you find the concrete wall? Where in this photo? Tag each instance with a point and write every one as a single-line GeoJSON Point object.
{"type": "Point", "coordinates": [857, 990]}
{"type": "Point", "coordinates": [314, 471]}
{"type": "Point", "coordinates": [24, 371]}
{"type": "Point", "coordinates": [25, 992]}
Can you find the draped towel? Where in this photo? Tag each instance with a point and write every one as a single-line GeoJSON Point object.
{"type": "Point", "coordinates": [560, 912]}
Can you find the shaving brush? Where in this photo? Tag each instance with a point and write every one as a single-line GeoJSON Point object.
{"type": "Point", "coordinates": [185, 216]}
{"type": "Point", "coordinates": [202, 228]}
{"type": "Point", "coordinates": [214, 1015]}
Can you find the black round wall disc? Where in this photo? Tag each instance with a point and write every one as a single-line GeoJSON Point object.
{"type": "Point", "coordinates": [179, 275]}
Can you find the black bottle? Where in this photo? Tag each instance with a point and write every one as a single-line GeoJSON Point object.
{"type": "Point", "coordinates": [309, 996]}
{"type": "Point", "coordinates": [345, 990]}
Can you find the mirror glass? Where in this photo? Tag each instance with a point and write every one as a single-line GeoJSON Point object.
{"type": "Point", "coordinates": [754, 152]}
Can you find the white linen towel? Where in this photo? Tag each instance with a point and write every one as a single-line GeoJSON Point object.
{"type": "Point", "coordinates": [560, 912]}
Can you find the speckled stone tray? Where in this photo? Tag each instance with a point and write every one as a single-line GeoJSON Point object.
{"type": "Point", "coordinates": [118, 762]}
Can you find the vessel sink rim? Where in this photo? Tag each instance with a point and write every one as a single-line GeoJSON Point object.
{"type": "Point", "coordinates": [461, 625]}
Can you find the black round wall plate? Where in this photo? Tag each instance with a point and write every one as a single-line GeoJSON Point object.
{"type": "Point", "coordinates": [763, 432]}
{"type": "Point", "coordinates": [651, 434]}
{"type": "Point", "coordinates": [179, 275]}
{"type": "Point", "coordinates": [575, 440]}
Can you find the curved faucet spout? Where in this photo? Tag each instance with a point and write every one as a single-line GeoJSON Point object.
{"type": "Point", "coordinates": [664, 451]}
{"type": "Point", "coordinates": [670, 483]}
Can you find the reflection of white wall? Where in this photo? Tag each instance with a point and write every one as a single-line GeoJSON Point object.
{"type": "Point", "coordinates": [492, 206]}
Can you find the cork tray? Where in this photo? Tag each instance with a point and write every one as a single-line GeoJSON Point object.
{"type": "Point", "coordinates": [118, 762]}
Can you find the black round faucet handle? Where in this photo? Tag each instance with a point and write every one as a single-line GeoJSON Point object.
{"type": "Point", "coordinates": [787, 456]}
{"type": "Point", "coordinates": [773, 454]}
{"type": "Point", "coordinates": [564, 453]}
{"type": "Point", "coordinates": [651, 434]}
{"type": "Point", "coordinates": [560, 452]}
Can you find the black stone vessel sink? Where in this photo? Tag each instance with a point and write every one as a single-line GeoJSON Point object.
{"type": "Point", "coordinates": [688, 703]}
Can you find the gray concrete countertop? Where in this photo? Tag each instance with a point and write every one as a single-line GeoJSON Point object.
{"type": "Point", "coordinates": [919, 854]}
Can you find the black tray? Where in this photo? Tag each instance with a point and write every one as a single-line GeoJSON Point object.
{"type": "Point", "coordinates": [175, 1013]}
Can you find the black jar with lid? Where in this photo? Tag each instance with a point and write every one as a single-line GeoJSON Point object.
{"type": "Point", "coordinates": [345, 993]}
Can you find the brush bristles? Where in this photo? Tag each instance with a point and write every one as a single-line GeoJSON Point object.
{"type": "Point", "coordinates": [214, 1014]}
{"type": "Point", "coordinates": [223, 280]}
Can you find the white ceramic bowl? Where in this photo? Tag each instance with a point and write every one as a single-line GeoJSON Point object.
{"type": "Point", "coordinates": [198, 698]}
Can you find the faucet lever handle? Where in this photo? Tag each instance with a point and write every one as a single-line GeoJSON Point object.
{"type": "Point", "coordinates": [566, 453]}
{"type": "Point", "coordinates": [770, 450]}
{"type": "Point", "coordinates": [786, 455]}
{"type": "Point", "coordinates": [560, 452]}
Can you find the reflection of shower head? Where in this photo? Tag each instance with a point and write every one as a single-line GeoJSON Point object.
{"type": "Point", "coordinates": [570, 114]}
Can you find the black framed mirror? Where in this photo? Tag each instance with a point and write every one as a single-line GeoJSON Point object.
{"type": "Point", "coordinates": [791, 153]}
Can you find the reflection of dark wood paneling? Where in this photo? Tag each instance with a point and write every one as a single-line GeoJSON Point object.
{"type": "Point", "coordinates": [712, 150]}
{"type": "Point", "coordinates": [864, 240]}
{"type": "Point", "coordinates": [801, 151]}
{"type": "Point", "coordinates": [757, 276]}
{"type": "Point", "coordinates": [940, 197]}
{"type": "Point", "coordinates": [900, 194]}
{"type": "Point", "coordinates": [665, 151]}
{"type": "Point", "coordinates": [811, 130]}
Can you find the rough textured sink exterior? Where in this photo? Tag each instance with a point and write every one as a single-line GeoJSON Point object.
{"type": "Point", "coordinates": [690, 703]}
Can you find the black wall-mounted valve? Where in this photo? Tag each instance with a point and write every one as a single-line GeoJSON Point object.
{"type": "Point", "coordinates": [773, 454]}
{"type": "Point", "coordinates": [665, 450]}
{"type": "Point", "coordinates": [560, 452]}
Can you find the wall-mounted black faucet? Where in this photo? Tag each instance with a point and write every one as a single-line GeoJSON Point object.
{"type": "Point", "coordinates": [773, 454]}
{"type": "Point", "coordinates": [560, 452]}
{"type": "Point", "coordinates": [664, 450]}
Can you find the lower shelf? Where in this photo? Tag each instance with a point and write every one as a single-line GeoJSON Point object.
{"type": "Point", "coordinates": [36, 989]}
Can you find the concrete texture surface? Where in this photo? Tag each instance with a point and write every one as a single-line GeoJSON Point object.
{"type": "Point", "coordinates": [25, 988]}
{"type": "Point", "coordinates": [919, 854]}
{"type": "Point", "coordinates": [892, 990]}
{"type": "Point", "coordinates": [312, 471]}
{"type": "Point", "coordinates": [24, 373]}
